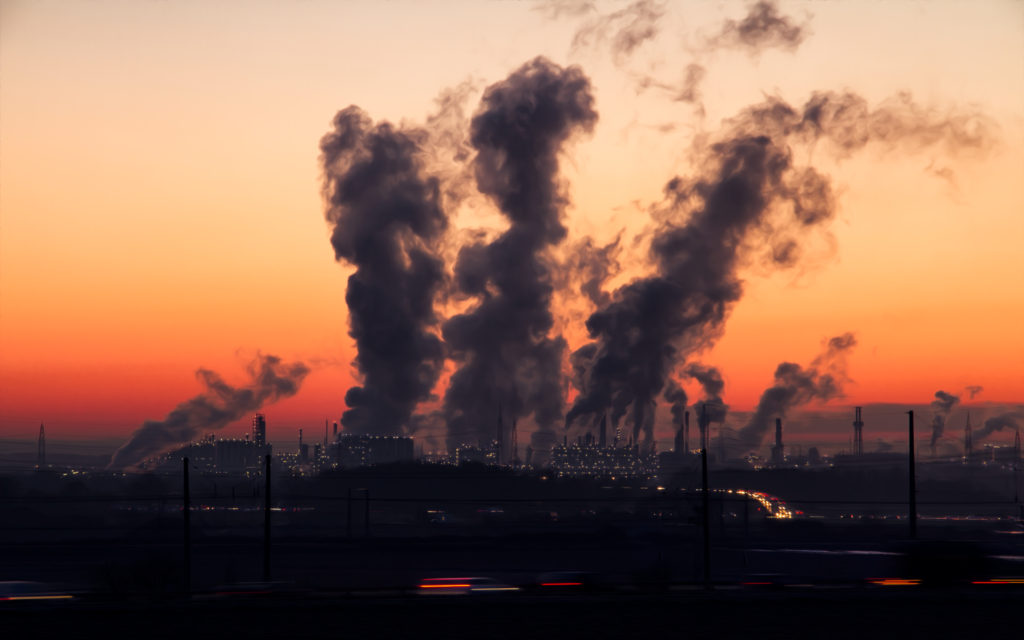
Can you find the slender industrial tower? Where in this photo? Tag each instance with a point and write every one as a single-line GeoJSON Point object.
{"type": "Point", "coordinates": [778, 452]}
{"type": "Point", "coordinates": [968, 445]}
{"type": "Point", "coordinates": [515, 444]}
{"type": "Point", "coordinates": [686, 432]}
{"type": "Point", "coordinates": [259, 429]}
{"type": "Point", "coordinates": [679, 446]}
{"type": "Point", "coordinates": [602, 440]}
{"type": "Point", "coordinates": [500, 436]}
{"type": "Point", "coordinates": [858, 433]}
{"type": "Point", "coordinates": [41, 452]}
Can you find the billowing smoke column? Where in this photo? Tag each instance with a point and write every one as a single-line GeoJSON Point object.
{"type": "Point", "coordinates": [502, 345]}
{"type": "Point", "coordinates": [748, 198]}
{"type": "Point", "coordinates": [795, 386]}
{"type": "Point", "coordinates": [1009, 420]}
{"type": "Point", "coordinates": [216, 407]}
{"type": "Point", "coordinates": [710, 379]}
{"type": "Point", "coordinates": [386, 216]}
{"type": "Point", "coordinates": [942, 404]}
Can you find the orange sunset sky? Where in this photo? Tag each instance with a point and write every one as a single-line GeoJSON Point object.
{"type": "Point", "coordinates": [160, 205]}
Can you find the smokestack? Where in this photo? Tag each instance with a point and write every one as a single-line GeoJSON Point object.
{"type": "Point", "coordinates": [515, 444]}
{"type": "Point", "coordinates": [778, 452]}
{"type": "Point", "coordinates": [968, 445]}
{"type": "Point", "coordinates": [603, 442]}
{"type": "Point", "coordinates": [858, 433]}
{"type": "Point", "coordinates": [41, 452]}
{"type": "Point", "coordinates": [679, 446]}
{"type": "Point", "coordinates": [334, 432]}
{"type": "Point", "coordinates": [686, 431]}
{"type": "Point", "coordinates": [259, 429]}
{"type": "Point", "coordinates": [500, 436]}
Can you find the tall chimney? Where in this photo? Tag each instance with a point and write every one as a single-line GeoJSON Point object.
{"type": "Point", "coordinates": [968, 445]}
{"type": "Point", "coordinates": [679, 448]}
{"type": "Point", "coordinates": [686, 431]}
{"type": "Point", "coordinates": [41, 452]}
{"type": "Point", "coordinates": [858, 433]}
{"type": "Point", "coordinates": [778, 453]}
{"type": "Point", "coordinates": [603, 437]}
{"type": "Point", "coordinates": [499, 437]}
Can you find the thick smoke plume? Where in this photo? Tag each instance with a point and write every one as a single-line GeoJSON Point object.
{"type": "Point", "coordinates": [795, 386]}
{"type": "Point", "coordinates": [502, 344]}
{"type": "Point", "coordinates": [747, 201]}
{"type": "Point", "coordinates": [386, 217]}
{"type": "Point", "coordinates": [942, 405]}
{"type": "Point", "coordinates": [763, 27]}
{"type": "Point", "coordinates": [710, 380]}
{"type": "Point", "coordinates": [216, 407]}
{"type": "Point", "coordinates": [1009, 420]}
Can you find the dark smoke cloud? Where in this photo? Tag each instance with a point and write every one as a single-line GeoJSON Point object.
{"type": "Point", "coordinates": [942, 405]}
{"type": "Point", "coordinates": [973, 390]}
{"type": "Point", "coordinates": [747, 198]}
{"type": "Point", "coordinates": [762, 28]}
{"type": "Point", "coordinates": [502, 345]}
{"type": "Point", "coordinates": [590, 266]}
{"type": "Point", "coordinates": [795, 386]}
{"type": "Point", "coordinates": [1011, 420]}
{"type": "Point", "coordinates": [385, 215]}
{"type": "Point", "coordinates": [676, 398]}
{"type": "Point", "coordinates": [216, 407]}
{"type": "Point", "coordinates": [710, 380]}
{"type": "Point", "coordinates": [625, 30]}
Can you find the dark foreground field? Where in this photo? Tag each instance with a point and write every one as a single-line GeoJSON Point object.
{"type": "Point", "coordinates": [722, 614]}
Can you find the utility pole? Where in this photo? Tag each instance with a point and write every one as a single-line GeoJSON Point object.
{"type": "Point", "coordinates": [913, 478]}
{"type": "Point", "coordinates": [188, 528]}
{"type": "Point", "coordinates": [706, 516]}
{"type": "Point", "coordinates": [266, 520]}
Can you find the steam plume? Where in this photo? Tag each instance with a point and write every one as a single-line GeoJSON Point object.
{"type": "Point", "coordinates": [942, 404]}
{"type": "Point", "coordinates": [748, 197]}
{"type": "Point", "coordinates": [627, 29]}
{"type": "Point", "coordinates": [502, 345]}
{"type": "Point", "coordinates": [710, 379]}
{"type": "Point", "coordinates": [385, 214]}
{"type": "Point", "coordinates": [216, 407]}
{"type": "Point", "coordinates": [1009, 420]}
{"type": "Point", "coordinates": [795, 386]}
{"type": "Point", "coordinates": [763, 27]}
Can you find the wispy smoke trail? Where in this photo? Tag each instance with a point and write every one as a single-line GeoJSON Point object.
{"type": "Point", "coordinates": [749, 197]}
{"type": "Point", "coordinates": [502, 345]}
{"type": "Point", "coordinates": [795, 386]}
{"type": "Point", "coordinates": [942, 404]}
{"type": "Point", "coordinates": [1009, 420]}
{"type": "Point", "coordinates": [973, 390]}
{"type": "Point", "coordinates": [216, 407]}
{"type": "Point", "coordinates": [763, 27]}
{"type": "Point", "coordinates": [624, 30]}
{"type": "Point", "coordinates": [386, 216]}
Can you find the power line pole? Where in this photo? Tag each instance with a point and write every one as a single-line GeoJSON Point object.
{"type": "Point", "coordinates": [913, 478]}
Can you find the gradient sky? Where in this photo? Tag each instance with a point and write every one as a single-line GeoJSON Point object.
{"type": "Point", "coordinates": [160, 204]}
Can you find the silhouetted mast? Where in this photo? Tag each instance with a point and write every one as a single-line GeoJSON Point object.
{"type": "Point", "coordinates": [968, 445]}
{"type": "Point", "coordinates": [41, 451]}
{"type": "Point", "coordinates": [858, 433]}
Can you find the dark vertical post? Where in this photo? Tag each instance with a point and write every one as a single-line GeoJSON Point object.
{"type": "Point", "coordinates": [366, 515]}
{"type": "Point", "coordinates": [348, 517]}
{"type": "Point", "coordinates": [188, 527]}
{"type": "Point", "coordinates": [266, 520]}
{"type": "Point", "coordinates": [707, 501]}
{"type": "Point", "coordinates": [913, 478]}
